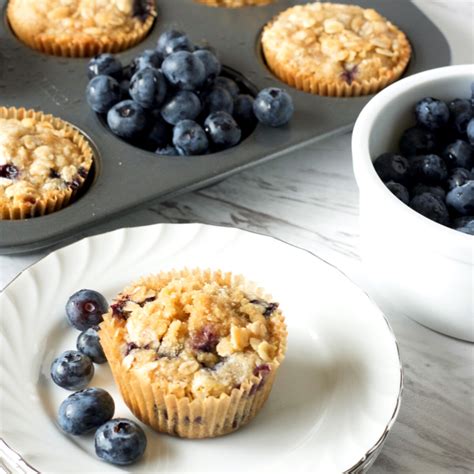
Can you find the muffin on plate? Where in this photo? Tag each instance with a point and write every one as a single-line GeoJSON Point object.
{"type": "Point", "coordinates": [335, 49]}
{"type": "Point", "coordinates": [194, 352]}
{"type": "Point", "coordinates": [234, 3]}
{"type": "Point", "coordinates": [79, 28]}
{"type": "Point", "coordinates": [44, 162]}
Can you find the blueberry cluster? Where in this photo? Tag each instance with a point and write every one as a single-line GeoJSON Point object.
{"type": "Point", "coordinates": [118, 441]}
{"type": "Point", "coordinates": [173, 99]}
{"type": "Point", "coordinates": [433, 172]}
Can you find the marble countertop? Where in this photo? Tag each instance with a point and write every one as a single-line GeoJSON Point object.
{"type": "Point", "coordinates": [310, 199]}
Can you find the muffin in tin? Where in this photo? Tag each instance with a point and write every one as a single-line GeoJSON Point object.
{"type": "Point", "coordinates": [79, 28]}
{"type": "Point", "coordinates": [235, 3]}
{"type": "Point", "coordinates": [44, 163]}
{"type": "Point", "coordinates": [335, 49]}
{"type": "Point", "coordinates": [194, 352]}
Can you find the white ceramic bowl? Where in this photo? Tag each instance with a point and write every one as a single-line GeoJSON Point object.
{"type": "Point", "coordinates": [415, 267]}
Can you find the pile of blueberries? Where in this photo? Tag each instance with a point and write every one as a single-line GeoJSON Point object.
{"type": "Point", "coordinates": [433, 172]}
{"type": "Point", "coordinates": [118, 441]}
{"type": "Point", "coordinates": [173, 100]}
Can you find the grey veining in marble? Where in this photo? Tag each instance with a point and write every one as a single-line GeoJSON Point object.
{"type": "Point", "coordinates": [309, 198]}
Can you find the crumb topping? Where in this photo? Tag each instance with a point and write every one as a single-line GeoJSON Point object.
{"type": "Point", "coordinates": [84, 19]}
{"type": "Point", "coordinates": [197, 334]}
{"type": "Point", "coordinates": [335, 42]}
{"type": "Point", "coordinates": [37, 160]}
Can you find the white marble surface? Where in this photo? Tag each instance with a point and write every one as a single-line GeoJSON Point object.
{"type": "Point", "coordinates": [309, 198]}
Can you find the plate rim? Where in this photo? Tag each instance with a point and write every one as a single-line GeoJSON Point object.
{"type": "Point", "coordinates": [369, 456]}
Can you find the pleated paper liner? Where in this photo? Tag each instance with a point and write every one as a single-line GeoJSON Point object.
{"type": "Point", "coordinates": [55, 199]}
{"type": "Point", "coordinates": [308, 83]}
{"type": "Point", "coordinates": [184, 417]}
{"type": "Point", "coordinates": [71, 46]}
{"type": "Point", "coordinates": [234, 3]}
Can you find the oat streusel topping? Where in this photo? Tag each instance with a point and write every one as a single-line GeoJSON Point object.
{"type": "Point", "coordinates": [335, 43]}
{"type": "Point", "coordinates": [194, 335]}
{"type": "Point", "coordinates": [37, 160]}
{"type": "Point", "coordinates": [84, 19]}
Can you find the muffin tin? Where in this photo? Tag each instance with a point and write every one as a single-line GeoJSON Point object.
{"type": "Point", "coordinates": [127, 178]}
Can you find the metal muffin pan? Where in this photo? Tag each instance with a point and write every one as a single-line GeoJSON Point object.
{"type": "Point", "coordinates": [127, 178]}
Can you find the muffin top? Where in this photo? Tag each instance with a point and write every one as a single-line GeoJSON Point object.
{"type": "Point", "coordinates": [198, 334]}
{"type": "Point", "coordinates": [335, 42]}
{"type": "Point", "coordinates": [39, 161]}
{"type": "Point", "coordinates": [83, 20]}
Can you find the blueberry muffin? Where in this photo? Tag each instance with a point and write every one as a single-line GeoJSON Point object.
{"type": "Point", "coordinates": [79, 28]}
{"type": "Point", "coordinates": [235, 3]}
{"type": "Point", "coordinates": [44, 162]}
{"type": "Point", "coordinates": [334, 49]}
{"type": "Point", "coordinates": [194, 353]}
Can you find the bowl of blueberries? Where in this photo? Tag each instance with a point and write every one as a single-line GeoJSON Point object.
{"type": "Point", "coordinates": [413, 158]}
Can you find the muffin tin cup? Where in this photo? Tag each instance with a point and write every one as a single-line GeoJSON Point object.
{"type": "Point", "coordinates": [128, 178]}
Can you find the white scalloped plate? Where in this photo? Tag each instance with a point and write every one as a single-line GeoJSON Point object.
{"type": "Point", "coordinates": [335, 398]}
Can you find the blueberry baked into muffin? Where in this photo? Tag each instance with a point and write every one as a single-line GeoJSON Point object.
{"type": "Point", "coordinates": [235, 3]}
{"type": "Point", "coordinates": [44, 162]}
{"type": "Point", "coordinates": [334, 49]}
{"type": "Point", "coordinates": [194, 352]}
{"type": "Point", "coordinates": [81, 28]}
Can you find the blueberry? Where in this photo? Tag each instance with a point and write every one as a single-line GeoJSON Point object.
{"type": "Point", "coordinates": [141, 9]}
{"type": "Point", "coordinates": [9, 171]}
{"type": "Point", "coordinates": [273, 107]}
{"type": "Point", "coordinates": [432, 113]}
{"type": "Point", "coordinates": [184, 70]}
{"type": "Point", "coordinates": [148, 88]}
{"type": "Point", "coordinates": [470, 131]}
{"type": "Point", "coordinates": [183, 105]}
{"type": "Point", "coordinates": [222, 129]}
{"type": "Point", "coordinates": [149, 58]}
{"type": "Point", "coordinates": [85, 411]}
{"type": "Point", "coordinates": [102, 93]}
{"type": "Point", "coordinates": [392, 167]}
{"type": "Point", "coordinates": [172, 41]}
{"type": "Point", "coordinates": [459, 155]}
{"type": "Point", "coordinates": [160, 134]}
{"type": "Point", "coordinates": [428, 169]}
{"type": "Point", "coordinates": [85, 308]}
{"type": "Point", "coordinates": [461, 199]}
{"type": "Point", "coordinates": [243, 112]}
{"type": "Point", "coordinates": [167, 150]}
{"type": "Point", "coordinates": [416, 141]}
{"type": "Point", "coordinates": [421, 188]}
{"type": "Point", "coordinates": [400, 191]}
{"type": "Point", "coordinates": [217, 99]}
{"type": "Point", "coordinates": [212, 65]}
{"type": "Point", "coordinates": [127, 119]}
{"type": "Point", "coordinates": [464, 224]}
{"type": "Point", "coordinates": [460, 112]}
{"type": "Point", "coordinates": [206, 47]}
{"type": "Point", "coordinates": [189, 138]}
{"type": "Point", "coordinates": [430, 206]}
{"type": "Point", "coordinates": [468, 229]}
{"type": "Point", "coordinates": [72, 370]}
{"type": "Point", "coordinates": [127, 72]}
{"type": "Point", "coordinates": [205, 339]}
{"type": "Point", "coordinates": [88, 343]}
{"type": "Point", "coordinates": [228, 84]}
{"type": "Point", "coordinates": [458, 177]}
{"type": "Point", "coordinates": [120, 441]}
{"type": "Point", "coordinates": [124, 88]}
{"type": "Point", "coordinates": [105, 64]}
